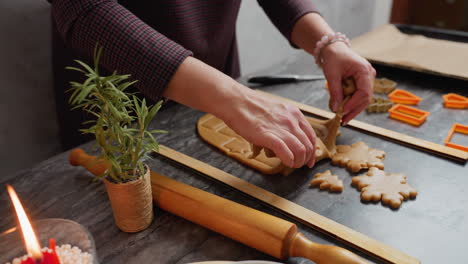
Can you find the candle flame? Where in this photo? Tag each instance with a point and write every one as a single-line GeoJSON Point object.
{"type": "Point", "coordinates": [30, 239]}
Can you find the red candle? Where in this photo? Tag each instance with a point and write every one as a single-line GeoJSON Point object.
{"type": "Point", "coordinates": [49, 256]}
{"type": "Point", "coordinates": [30, 239]}
{"type": "Point", "coordinates": [53, 256]}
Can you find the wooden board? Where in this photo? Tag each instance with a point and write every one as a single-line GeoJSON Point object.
{"type": "Point", "coordinates": [414, 142]}
{"type": "Point", "coordinates": [316, 221]}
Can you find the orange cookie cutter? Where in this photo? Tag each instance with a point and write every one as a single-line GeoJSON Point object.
{"type": "Point", "coordinates": [452, 100]}
{"type": "Point", "coordinates": [408, 114]}
{"type": "Point", "coordinates": [456, 128]}
{"type": "Point", "coordinates": [404, 97]}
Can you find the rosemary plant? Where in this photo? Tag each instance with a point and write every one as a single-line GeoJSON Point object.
{"type": "Point", "coordinates": [122, 119]}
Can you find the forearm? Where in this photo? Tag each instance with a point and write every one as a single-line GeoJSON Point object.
{"type": "Point", "coordinates": [308, 30]}
{"type": "Point", "coordinates": [203, 87]}
{"type": "Point", "coordinates": [262, 121]}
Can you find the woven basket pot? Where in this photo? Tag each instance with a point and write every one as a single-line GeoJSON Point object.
{"type": "Point", "coordinates": [132, 203]}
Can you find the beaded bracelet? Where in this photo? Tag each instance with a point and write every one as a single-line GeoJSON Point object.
{"type": "Point", "coordinates": [325, 41]}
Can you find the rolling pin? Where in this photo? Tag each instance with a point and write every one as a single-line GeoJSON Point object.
{"type": "Point", "coordinates": [269, 234]}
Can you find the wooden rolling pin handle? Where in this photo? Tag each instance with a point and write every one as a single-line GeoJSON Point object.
{"type": "Point", "coordinates": [80, 158]}
{"type": "Point", "coordinates": [322, 254]}
{"type": "Point", "coordinates": [272, 235]}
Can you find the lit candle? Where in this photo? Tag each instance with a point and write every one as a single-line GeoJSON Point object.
{"type": "Point", "coordinates": [36, 256]}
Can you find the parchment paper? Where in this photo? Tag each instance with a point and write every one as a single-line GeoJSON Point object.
{"type": "Point", "coordinates": [387, 45]}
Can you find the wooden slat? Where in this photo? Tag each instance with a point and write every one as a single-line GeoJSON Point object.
{"type": "Point", "coordinates": [316, 221]}
{"type": "Point", "coordinates": [414, 142]}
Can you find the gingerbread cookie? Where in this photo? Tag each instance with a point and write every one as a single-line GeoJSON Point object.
{"type": "Point", "coordinates": [358, 156]}
{"type": "Point", "coordinates": [327, 181]}
{"type": "Point", "coordinates": [379, 105]}
{"type": "Point", "coordinates": [391, 188]}
{"type": "Point", "coordinates": [384, 86]}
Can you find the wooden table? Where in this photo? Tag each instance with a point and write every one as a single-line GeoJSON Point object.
{"type": "Point", "coordinates": [432, 228]}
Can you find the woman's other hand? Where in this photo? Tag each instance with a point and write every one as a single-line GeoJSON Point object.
{"type": "Point", "coordinates": [340, 63]}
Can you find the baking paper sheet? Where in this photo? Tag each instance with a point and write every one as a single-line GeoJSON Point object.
{"type": "Point", "coordinates": [387, 45]}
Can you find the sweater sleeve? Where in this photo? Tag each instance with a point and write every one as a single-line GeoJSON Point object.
{"type": "Point", "coordinates": [285, 13]}
{"type": "Point", "coordinates": [129, 45]}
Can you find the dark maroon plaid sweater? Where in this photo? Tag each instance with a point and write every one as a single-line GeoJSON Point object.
{"type": "Point", "coordinates": [150, 39]}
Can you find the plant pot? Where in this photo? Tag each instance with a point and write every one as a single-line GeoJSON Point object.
{"type": "Point", "coordinates": [132, 203]}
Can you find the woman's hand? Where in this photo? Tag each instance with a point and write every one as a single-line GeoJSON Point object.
{"type": "Point", "coordinates": [275, 125]}
{"type": "Point", "coordinates": [339, 63]}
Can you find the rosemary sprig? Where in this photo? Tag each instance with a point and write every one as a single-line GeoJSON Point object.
{"type": "Point", "coordinates": [122, 120]}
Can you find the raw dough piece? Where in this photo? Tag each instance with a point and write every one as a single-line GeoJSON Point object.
{"type": "Point", "coordinates": [326, 131]}
{"type": "Point", "coordinates": [218, 134]}
{"type": "Point", "coordinates": [358, 156]}
{"type": "Point", "coordinates": [321, 127]}
{"type": "Point", "coordinates": [333, 124]}
{"type": "Point", "coordinates": [391, 188]}
{"type": "Point", "coordinates": [321, 151]}
{"type": "Point", "coordinates": [327, 181]}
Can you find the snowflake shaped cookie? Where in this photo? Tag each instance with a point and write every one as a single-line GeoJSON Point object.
{"type": "Point", "coordinates": [358, 156]}
{"type": "Point", "coordinates": [327, 181]}
{"type": "Point", "coordinates": [391, 188]}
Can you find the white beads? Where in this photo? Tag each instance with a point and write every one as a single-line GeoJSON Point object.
{"type": "Point", "coordinates": [66, 254]}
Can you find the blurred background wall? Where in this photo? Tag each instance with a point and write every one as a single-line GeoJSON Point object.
{"type": "Point", "coordinates": [261, 45]}
{"type": "Point", "coordinates": [28, 131]}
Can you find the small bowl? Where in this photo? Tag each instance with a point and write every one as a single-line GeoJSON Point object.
{"type": "Point", "coordinates": [62, 230]}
